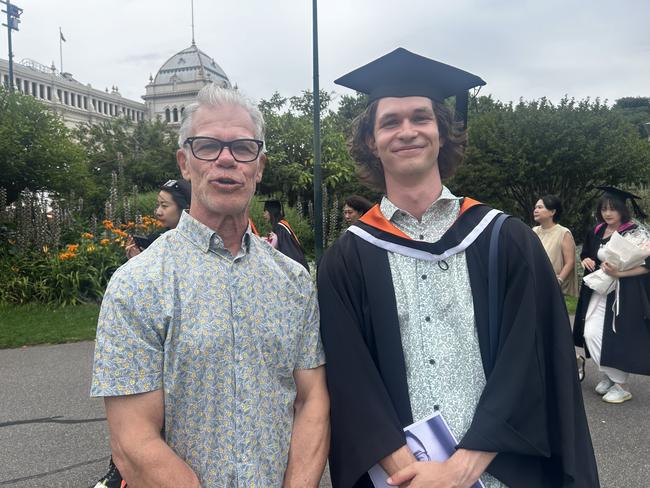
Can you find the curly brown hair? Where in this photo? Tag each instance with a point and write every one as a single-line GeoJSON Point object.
{"type": "Point", "coordinates": [369, 167]}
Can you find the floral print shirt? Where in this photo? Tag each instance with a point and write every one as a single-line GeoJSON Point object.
{"type": "Point", "coordinates": [222, 336]}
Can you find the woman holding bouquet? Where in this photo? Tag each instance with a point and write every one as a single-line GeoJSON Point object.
{"type": "Point", "coordinates": [613, 327]}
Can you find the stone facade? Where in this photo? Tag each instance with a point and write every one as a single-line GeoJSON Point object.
{"type": "Point", "coordinates": [75, 102]}
{"type": "Point", "coordinates": [178, 81]}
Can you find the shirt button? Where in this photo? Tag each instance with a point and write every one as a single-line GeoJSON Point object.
{"type": "Point", "coordinates": [436, 407]}
{"type": "Point", "coordinates": [424, 277]}
{"type": "Point", "coordinates": [432, 361]}
{"type": "Point", "coordinates": [421, 237]}
{"type": "Point", "coordinates": [427, 319]}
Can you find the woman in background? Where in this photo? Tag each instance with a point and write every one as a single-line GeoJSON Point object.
{"type": "Point", "coordinates": [282, 237]}
{"type": "Point", "coordinates": [615, 335]}
{"type": "Point", "coordinates": [558, 242]}
{"type": "Point", "coordinates": [173, 197]}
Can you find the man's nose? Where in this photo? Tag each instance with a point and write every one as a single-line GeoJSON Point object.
{"type": "Point", "coordinates": [407, 130]}
{"type": "Point", "coordinates": [226, 158]}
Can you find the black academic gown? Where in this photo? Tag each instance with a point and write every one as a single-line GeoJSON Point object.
{"type": "Point", "coordinates": [531, 410]}
{"type": "Point", "coordinates": [627, 349]}
{"type": "Point", "coordinates": [288, 244]}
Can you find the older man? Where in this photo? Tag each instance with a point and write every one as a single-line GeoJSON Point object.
{"type": "Point", "coordinates": [427, 307]}
{"type": "Point", "coordinates": [211, 334]}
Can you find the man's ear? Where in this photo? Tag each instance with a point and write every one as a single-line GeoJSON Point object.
{"type": "Point", "coordinates": [372, 146]}
{"type": "Point", "coordinates": [183, 164]}
{"type": "Point", "coordinates": [260, 168]}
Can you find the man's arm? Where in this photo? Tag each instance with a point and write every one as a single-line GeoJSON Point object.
{"type": "Point", "coordinates": [310, 437]}
{"type": "Point", "coordinates": [139, 452]}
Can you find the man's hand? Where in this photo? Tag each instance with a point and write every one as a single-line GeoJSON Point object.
{"type": "Point", "coordinates": [461, 470]}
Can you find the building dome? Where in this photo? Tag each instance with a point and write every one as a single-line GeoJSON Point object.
{"type": "Point", "coordinates": [191, 64]}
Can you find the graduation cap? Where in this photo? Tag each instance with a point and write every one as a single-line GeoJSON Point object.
{"type": "Point", "coordinates": [402, 73]}
{"type": "Point", "coordinates": [624, 196]}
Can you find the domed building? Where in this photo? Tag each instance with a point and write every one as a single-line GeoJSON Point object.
{"type": "Point", "coordinates": [178, 81]}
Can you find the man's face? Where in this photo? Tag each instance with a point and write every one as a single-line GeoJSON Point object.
{"type": "Point", "coordinates": [225, 186]}
{"type": "Point", "coordinates": [405, 138]}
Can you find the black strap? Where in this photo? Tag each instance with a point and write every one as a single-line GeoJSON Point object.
{"type": "Point", "coordinates": [494, 288]}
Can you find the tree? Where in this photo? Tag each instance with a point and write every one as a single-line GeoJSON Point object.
{"type": "Point", "coordinates": [36, 150]}
{"type": "Point", "coordinates": [289, 138]}
{"type": "Point", "coordinates": [142, 153]}
{"type": "Point", "coordinates": [518, 153]}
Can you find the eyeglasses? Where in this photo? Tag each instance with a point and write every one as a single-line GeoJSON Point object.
{"type": "Point", "coordinates": [209, 148]}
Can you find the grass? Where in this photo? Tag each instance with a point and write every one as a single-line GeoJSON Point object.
{"type": "Point", "coordinates": [22, 325]}
{"type": "Point", "coordinates": [30, 324]}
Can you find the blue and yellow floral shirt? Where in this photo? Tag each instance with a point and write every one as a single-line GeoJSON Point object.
{"type": "Point", "coordinates": [222, 336]}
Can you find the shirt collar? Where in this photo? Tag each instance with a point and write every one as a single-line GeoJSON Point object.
{"type": "Point", "coordinates": [393, 212]}
{"type": "Point", "coordinates": [207, 239]}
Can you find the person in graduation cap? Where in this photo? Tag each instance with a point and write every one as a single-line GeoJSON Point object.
{"type": "Point", "coordinates": [616, 337]}
{"type": "Point", "coordinates": [413, 323]}
{"type": "Point", "coordinates": [283, 238]}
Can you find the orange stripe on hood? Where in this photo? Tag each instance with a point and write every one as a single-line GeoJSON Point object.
{"type": "Point", "coordinates": [376, 219]}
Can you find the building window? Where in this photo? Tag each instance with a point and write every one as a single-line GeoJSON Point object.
{"type": "Point", "coordinates": [72, 99]}
{"type": "Point", "coordinates": [19, 84]}
{"type": "Point", "coordinates": [167, 115]}
{"type": "Point", "coordinates": [175, 114]}
{"type": "Point", "coordinates": [66, 98]}
{"type": "Point", "coordinates": [6, 81]}
{"type": "Point", "coordinates": [34, 89]}
{"type": "Point", "coordinates": [41, 91]}
{"type": "Point", "coordinates": [49, 93]}
{"type": "Point", "coordinates": [182, 111]}
{"type": "Point", "coordinates": [59, 94]}
{"type": "Point", "coordinates": [85, 103]}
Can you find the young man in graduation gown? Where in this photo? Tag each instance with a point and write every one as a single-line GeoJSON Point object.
{"type": "Point", "coordinates": [405, 310]}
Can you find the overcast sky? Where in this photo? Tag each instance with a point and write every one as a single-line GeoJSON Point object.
{"type": "Point", "coordinates": [522, 48]}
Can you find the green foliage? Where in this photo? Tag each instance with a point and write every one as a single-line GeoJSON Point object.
{"type": "Point", "coordinates": [140, 153]}
{"type": "Point", "coordinates": [289, 138]}
{"type": "Point", "coordinates": [77, 275]}
{"type": "Point", "coordinates": [635, 110]}
{"type": "Point", "coordinates": [35, 323]}
{"type": "Point", "coordinates": [36, 151]}
{"type": "Point", "coordinates": [518, 153]}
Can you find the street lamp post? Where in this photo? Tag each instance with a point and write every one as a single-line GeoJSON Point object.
{"type": "Point", "coordinates": [318, 191]}
{"type": "Point", "coordinates": [13, 20]}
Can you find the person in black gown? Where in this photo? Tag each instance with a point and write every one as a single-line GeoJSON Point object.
{"type": "Point", "coordinates": [283, 238]}
{"type": "Point", "coordinates": [616, 337]}
{"type": "Point", "coordinates": [527, 426]}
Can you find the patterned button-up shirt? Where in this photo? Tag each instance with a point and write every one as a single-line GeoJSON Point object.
{"type": "Point", "coordinates": [222, 336]}
{"type": "Point", "coordinates": [436, 318]}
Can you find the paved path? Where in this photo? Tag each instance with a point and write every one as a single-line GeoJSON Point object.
{"type": "Point", "coordinates": [52, 434]}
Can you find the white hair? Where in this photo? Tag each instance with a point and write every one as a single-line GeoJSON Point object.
{"type": "Point", "coordinates": [214, 96]}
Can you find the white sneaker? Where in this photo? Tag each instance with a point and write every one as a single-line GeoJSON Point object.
{"type": "Point", "coordinates": [604, 386]}
{"type": "Point", "coordinates": [617, 394]}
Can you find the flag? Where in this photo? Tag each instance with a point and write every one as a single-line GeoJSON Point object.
{"type": "Point", "coordinates": [61, 34]}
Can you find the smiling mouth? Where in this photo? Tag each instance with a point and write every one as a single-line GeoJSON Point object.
{"type": "Point", "coordinates": [225, 181]}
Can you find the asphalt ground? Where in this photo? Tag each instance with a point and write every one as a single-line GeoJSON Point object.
{"type": "Point", "coordinates": [52, 434]}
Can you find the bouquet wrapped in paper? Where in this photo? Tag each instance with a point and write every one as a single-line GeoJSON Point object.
{"type": "Point", "coordinates": [623, 253]}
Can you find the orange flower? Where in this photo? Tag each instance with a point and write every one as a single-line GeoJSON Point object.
{"type": "Point", "coordinates": [66, 255]}
{"type": "Point", "coordinates": [107, 224]}
{"type": "Point", "coordinates": [130, 225]}
{"type": "Point", "coordinates": [87, 235]}
{"type": "Point", "coordinates": [104, 242]}
{"type": "Point", "coordinates": [72, 247]}
{"type": "Point", "coordinates": [120, 233]}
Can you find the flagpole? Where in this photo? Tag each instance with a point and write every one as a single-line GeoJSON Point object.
{"type": "Point", "coordinates": [61, 49]}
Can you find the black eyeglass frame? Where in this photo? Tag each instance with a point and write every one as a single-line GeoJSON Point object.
{"type": "Point", "coordinates": [224, 145]}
